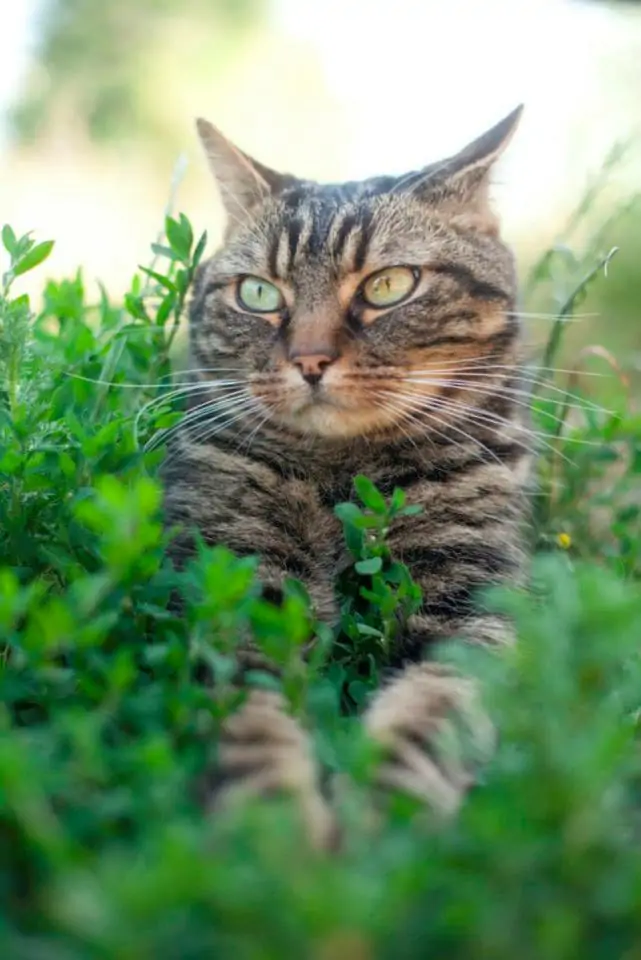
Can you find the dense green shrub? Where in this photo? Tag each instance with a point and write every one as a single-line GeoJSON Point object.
{"type": "Point", "coordinates": [103, 731]}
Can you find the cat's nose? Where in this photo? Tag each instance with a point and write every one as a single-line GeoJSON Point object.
{"type": "Point", "coordinates": [312, 366]}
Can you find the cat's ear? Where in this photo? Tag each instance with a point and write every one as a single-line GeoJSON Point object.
{"type": "Point", "coordinates": [243, 182]}
{"type": "Point", "coordinates": [461, 183]}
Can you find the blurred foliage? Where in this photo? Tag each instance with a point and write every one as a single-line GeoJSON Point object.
{"type": "Point", "coordinates": [104, 851]}
{"type": "Point", "coordinates": [93, 59]}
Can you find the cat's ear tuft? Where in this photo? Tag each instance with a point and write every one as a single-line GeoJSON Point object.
{"type": "Point", "coordinates": [243, 182]}
{"type": "Point", "coordinates": [461, 183]}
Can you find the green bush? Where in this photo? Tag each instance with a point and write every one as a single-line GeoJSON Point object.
{"type": "Point", "coordinates": [104, 732]}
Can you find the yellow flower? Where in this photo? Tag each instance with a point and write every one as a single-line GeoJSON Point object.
{"type": "Point", "coordinates": [564, 540]}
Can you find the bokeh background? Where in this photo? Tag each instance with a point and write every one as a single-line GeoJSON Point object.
{"type": "Point", "coordinates": [97, 102]}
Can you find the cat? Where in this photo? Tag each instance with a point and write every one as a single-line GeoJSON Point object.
{"type": "Point", "coordinates": [366, 327]}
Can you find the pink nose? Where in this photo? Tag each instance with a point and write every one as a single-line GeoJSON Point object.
{"type": "Point", "coordinates": [313, 366]}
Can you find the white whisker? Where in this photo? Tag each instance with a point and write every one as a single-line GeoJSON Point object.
{"type": "Point", "coordinates": [490, 390]}
{"type": "Point", "coordinates": [564, 318]}
{"type": "Point", "coordinates": [427, 412]}
{"type": "Point", "coordinates": [195, 416]}
{"type": "Point", "coordinates": [203, 431]}
{"type": "Point", "coordinates": [581, 402]}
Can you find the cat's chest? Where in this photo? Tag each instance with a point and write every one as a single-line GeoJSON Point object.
{"type": "Point", "coordinates": [334, 483]}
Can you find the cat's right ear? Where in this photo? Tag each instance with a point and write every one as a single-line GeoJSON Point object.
{"type": "Point", "coordinates": [243, 182]}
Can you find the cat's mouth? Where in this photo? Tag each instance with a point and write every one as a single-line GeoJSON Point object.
{"type": "Point", "coordinates": [338, 409]}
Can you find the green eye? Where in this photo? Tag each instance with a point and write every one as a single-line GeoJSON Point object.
{"type": "Point", "coordinates": [389, 286]}
{"type": "Point", "coordinates": [259, 296]}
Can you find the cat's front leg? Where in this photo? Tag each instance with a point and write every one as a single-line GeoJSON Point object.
{"type": "Point", "coordinates": [468, 538]}
{"type": "Point", "coordinates": [415, 719]}
{"type": "Point", "coordinates": [263, 750]}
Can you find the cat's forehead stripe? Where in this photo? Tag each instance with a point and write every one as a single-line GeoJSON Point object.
{"type": "Point", "coordinates": [321, 226]}
{"type": "Point", "coordinates": [341, 232]}
{"type": "Point", "coordinates": [360, 252]}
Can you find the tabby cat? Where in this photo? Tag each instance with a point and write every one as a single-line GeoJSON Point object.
{"type": "Point", "coordinates": [366, 328]}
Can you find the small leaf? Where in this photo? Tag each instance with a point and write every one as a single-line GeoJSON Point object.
{"type": "Point", "coordinates": [347, 512]}
{"type": "Point", "coordinates": [369, 566]}
{"type": "Point", "coordinates": [164, 310]}
{"type": "Point", "coordinates": [33, 258]}
{"type": "Point", "coordinates": [136, 307]}
{"type": "Point", "coordinates": [200, 248]}
{"type": "Point", "coordinates": [9, 240]}
{"type": "Point", "coordinates": [411, 511]}
{"type": "Point", "coordinates": [162, 251]}
{"type": "Point", "coordinates": [180, 236]}
{"type": "Point", "coordinates": [159, 278]}
{"type": "Point", "coordinates": [370, 495]}
{"type": "Point", "coordinates": [368, 631]}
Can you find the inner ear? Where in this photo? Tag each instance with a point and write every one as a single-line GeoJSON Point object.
{"type": "Point", "coordinates": [244, 183]}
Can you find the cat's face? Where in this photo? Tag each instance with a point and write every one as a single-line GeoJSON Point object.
{"type": "Point", "coordinates": [349, 310]}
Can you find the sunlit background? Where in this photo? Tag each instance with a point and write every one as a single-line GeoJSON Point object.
{"type": "Point", "coordinates": [97, 102]}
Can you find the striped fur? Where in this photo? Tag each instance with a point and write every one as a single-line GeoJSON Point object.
{"type": "Point", "coordinates": [425, 395]}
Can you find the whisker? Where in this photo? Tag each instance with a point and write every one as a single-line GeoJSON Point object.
{"type": "Point", "coordinates": [218, 423]}
{"type": "Point", "coordinates": [508, 393]}
{"type": "Point", "coordinates": [184, 392]}
{"type": "Point", "coordinates": [428, 412]}
{"type": "Point", "coordinates": [140, 386]}
{"type": "Point", "coordinates": [488, 418]}
{"type": "Point", "coordinates": [261, 422]}
{"type": "Point", "coordinates": [193, 417]}
{"type": "Point", "coordinates": [474, 363]}
{"type": "Point", "coordinates": [483, 418]}
{"type": "Point", "coordinates": [204, 431]}
{"type": "Point", "coordinates": [582, 402]}
{"type": "Point", "coordinates": [566, 318]}
{"type": "Point", "coordinates": [387, 405]}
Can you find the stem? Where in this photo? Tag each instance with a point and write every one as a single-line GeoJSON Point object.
{"type": "Point", "coordinates": [567, 308]}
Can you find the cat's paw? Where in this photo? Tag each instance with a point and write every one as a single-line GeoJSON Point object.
{"type": "Point", "coordinates": [263, 751]}
{"type": "Point", "coordinates": [415, 719]}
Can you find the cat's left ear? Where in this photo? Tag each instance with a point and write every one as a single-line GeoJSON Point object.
{"type": "Point", "coordinates": [461, 183]}
{"type": "Point", "coordinates": [244, 183]}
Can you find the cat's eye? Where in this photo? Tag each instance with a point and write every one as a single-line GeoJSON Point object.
{"type": "Point", "coordinates": [389, 286]}
{"type": "Point", "coordinates": [259, 296]}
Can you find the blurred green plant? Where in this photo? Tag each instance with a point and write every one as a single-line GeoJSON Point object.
{"type": "Point", "coordinates": [92, 59]}
{"type": "Point", "coordinates": [104, 730]}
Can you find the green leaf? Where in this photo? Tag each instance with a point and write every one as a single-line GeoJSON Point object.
{"type": "Point", "coordinates": [347, 512]}
{"type": "Point", "coordinates": [200, 249]}
{"type": "Point", "coordinates": [160, 278]}
{"type": "Point", "coordinates": [9, 240]}
{"type": "Point", "coordinates": [162, 251]}
{"type": "Point", "coordinates": [370, 495]}
{"type": "Point", "coordinates": [411, 511]}
{"type": "Point", "coordinates": [180, 236]}
{"type": "Point", "coordinates": [369, 566]}
{"type": "Point", "coordinates": [33, 258]}
{"type": "Point", "coordinates": [368, 631]}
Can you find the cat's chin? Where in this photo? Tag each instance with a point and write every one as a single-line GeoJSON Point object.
{"type": "Point", "coordinates": [329, 421]}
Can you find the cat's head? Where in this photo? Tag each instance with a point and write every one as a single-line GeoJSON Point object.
{"type": "Point", "coordinates": [348, 309]}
